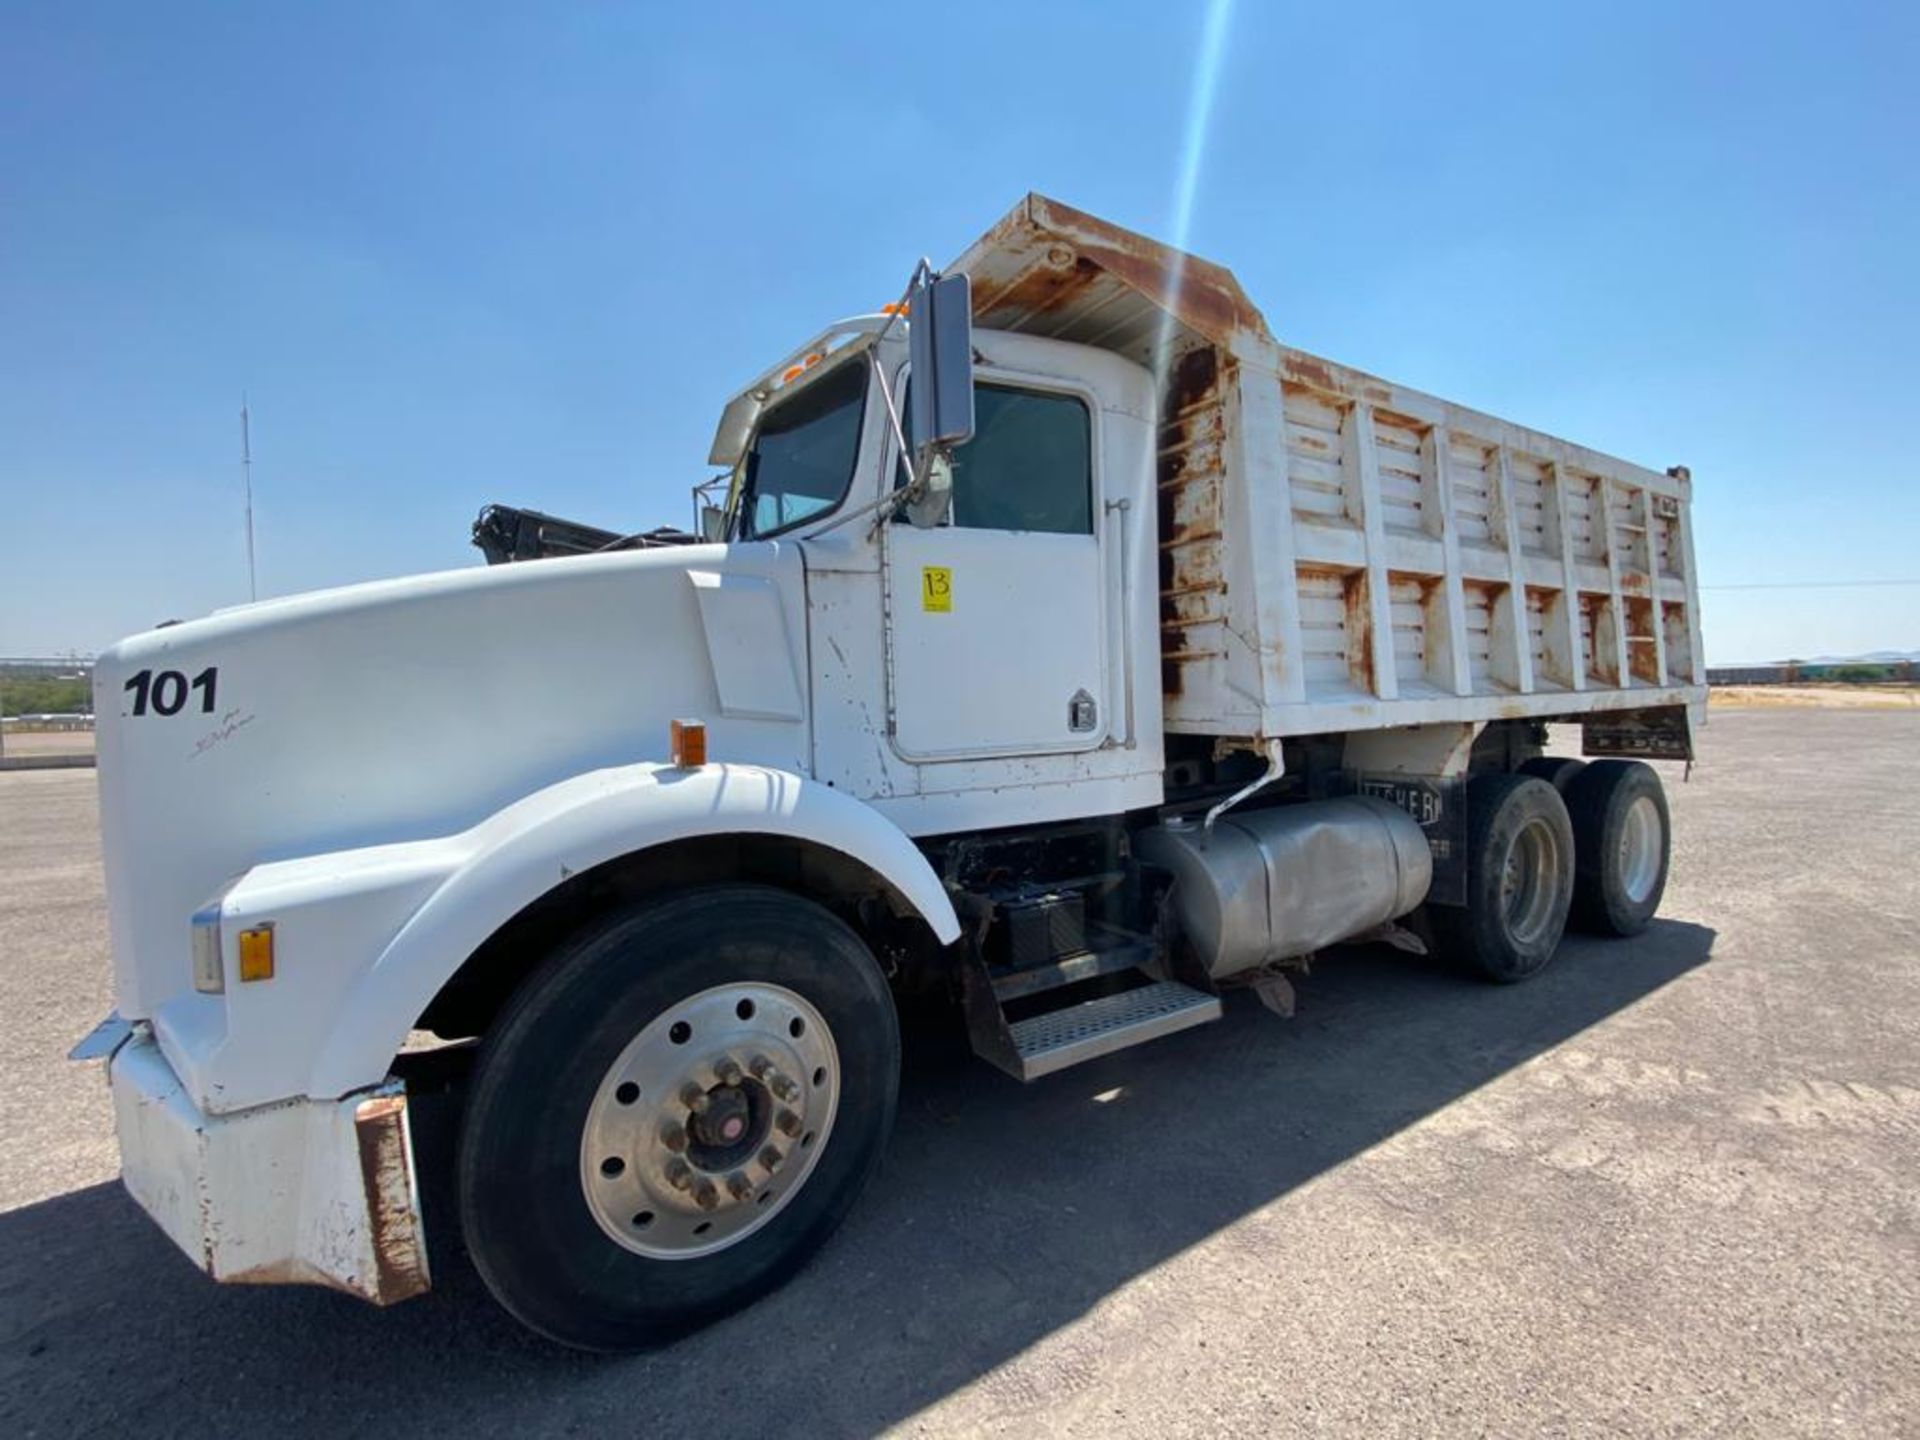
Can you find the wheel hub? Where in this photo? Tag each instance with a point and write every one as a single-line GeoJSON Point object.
{"type": "Point", "coordinates": [1642, 843]}
{"type": "Point", "coordinates": [710, 1120]}
{"type": "Point", "coordinates": [726, 1116]}
{"type": "Point", "coordinates": [731, 1127]}
{"type": "Point", "coordinates": [1527, 882]}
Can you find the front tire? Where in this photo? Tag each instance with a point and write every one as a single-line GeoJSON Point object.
{"type": "Point", "coordinates": [675, 1113]}
{"type": "Point", "coordinates": [1623, 840]}
{"type": "Point", "coordinates": [1519, 879]}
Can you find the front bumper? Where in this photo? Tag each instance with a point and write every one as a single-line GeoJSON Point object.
{"type": "Point", "coordinates": [317, 1192]}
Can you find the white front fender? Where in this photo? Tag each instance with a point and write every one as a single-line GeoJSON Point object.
{"type": "Point", "coordinates": [537, 843]}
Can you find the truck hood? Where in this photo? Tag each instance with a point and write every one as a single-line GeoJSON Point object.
{"type": "Point", "coordinates": [408, 709]}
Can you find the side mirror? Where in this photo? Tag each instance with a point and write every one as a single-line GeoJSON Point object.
{"type": "Point", "coordinates": [940, 349]}
{"type": "Point", "coordinates": [713, 523]}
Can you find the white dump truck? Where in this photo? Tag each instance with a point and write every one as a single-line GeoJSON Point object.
{"type": "Point", "coordinates": [1065, 642]}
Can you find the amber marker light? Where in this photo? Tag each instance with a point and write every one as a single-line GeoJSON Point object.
{"type": "Point", "coordinates": [256, 952]}
{"type": "Point", "coordinates": [687, 744]}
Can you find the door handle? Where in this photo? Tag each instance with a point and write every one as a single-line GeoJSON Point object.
{"type": "Point", "coordinates": [1083, 714]}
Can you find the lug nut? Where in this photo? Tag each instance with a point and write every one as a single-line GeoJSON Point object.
{"type": "Point", "coordinates": [770, 1159]}
{"type": "Point", "coordinates": [673, 1136]}
{"type": "Point", "coordinates": [787, 1123]}
{"type": "Point", "coordinates": [679, 1174]}
{"type": "Point", "coordinates": [729, 1071]}
{"type": "Point", "coordinates": [739, 1186]}
{"type": "Point", "coordinates": [705, 1195]}
{"type": "Point", "coordinates": [767, 1074]}
{"type": "Point", "coordinates": [694, 1098]}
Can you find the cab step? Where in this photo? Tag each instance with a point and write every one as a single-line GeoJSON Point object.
{"type": "Point", "coordinates": [1102, 956]}
{"type": "Point", "coordinates": [1055, 1039]}
{"type": "Point", "coordinates": [1077, 1008]}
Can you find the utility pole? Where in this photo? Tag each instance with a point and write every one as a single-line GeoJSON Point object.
{"type": "Point", "coordinates": [246, 473]}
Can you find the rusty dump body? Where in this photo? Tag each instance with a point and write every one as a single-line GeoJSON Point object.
{"type": "Point", "coordinates": [1341, 553]}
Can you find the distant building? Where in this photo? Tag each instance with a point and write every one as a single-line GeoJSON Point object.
{"type": "Point", "coordinates": [1805, 672]}
{"type": "Point", "coordinates": [1749, 674]}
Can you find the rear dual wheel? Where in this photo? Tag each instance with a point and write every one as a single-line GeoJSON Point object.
{"type": "Point", "coordinates": [1622, 842]}
{"type": "Point", "coordinates": [1520, 866]}
{"type": "Point", "coordinates": [1559, 843]}
{"type": "Point", "coordinates": [1557, 770]}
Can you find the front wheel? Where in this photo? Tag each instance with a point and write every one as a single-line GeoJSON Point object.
{"type": "Point", "coordinates": [675, 1113]}
{"type": "Point", "coordinates": [1519, 879]}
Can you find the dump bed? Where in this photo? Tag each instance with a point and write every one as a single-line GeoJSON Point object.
{"type": "Point", "coordinates": [1337, 552]}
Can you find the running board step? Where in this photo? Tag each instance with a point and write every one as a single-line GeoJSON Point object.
{"type": "Point", "coordinates": [1056, 1039]}
{"type": "Point", "coordinates": [1105, 958]}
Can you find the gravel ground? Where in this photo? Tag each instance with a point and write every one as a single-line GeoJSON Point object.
{"type": "Point", "coordinates": [1667, 1187]}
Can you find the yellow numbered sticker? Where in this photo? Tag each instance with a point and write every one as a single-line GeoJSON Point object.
{"type": "Point", "coordinates": [936, 588]}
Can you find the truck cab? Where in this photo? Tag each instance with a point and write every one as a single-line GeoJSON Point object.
{"type": "Point", "coordinates": [992, 653]}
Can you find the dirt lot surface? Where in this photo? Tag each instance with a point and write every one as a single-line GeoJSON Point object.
{"type": "Point", "coordinates": [1667, 1187]}
{"type": "Point", "coordinates": [48, 742]}
{"type": "Point", "coordinates": [1823, 697]}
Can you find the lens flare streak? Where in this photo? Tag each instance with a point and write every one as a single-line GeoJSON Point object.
{"type": "Point", "coordinates": [1206, 78]}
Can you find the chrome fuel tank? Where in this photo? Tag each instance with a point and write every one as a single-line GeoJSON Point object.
{"type": "Point", "coordinates": [1285, 881]}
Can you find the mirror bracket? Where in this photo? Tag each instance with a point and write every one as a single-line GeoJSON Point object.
{"type": "Point", "coordinates": [933, 494]}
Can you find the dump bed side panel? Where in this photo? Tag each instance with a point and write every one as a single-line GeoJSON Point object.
{"type": "Point", "coordinates": [1403, 560]}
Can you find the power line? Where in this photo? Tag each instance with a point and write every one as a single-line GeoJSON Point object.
{"type": "Point", "coordinates": [1809, 584]}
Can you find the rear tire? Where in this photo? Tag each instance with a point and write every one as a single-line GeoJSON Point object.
{"type": "Point", "coordinates": [1622, 843]}
{"type": "Point", "coordinates": [1557, 770]}
{"type": "Point", "coordinates": [622, 1177]}
{"type": "Point", "coordinates": [1520, 855]}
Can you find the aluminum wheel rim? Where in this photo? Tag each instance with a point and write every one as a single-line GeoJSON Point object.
{"type": "Point", "coordinates": [1640, 849]}
{"type": "Point", "coordinates": [1529, 882]}
{"type": "Point", "coordinates": [658, 1173]}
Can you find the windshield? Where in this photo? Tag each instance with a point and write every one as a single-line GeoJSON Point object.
{"type": "Point", "coordinates": [803, 455]}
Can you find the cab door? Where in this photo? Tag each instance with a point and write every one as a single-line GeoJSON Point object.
{"type": "Point", "coordinates": [996, 619]}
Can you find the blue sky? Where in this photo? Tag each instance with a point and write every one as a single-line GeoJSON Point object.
{"type": "Point", "coordinates": [467, 253]}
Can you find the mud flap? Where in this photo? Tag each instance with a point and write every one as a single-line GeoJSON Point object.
{"type": "Point", "coordinates": [1664, 732]}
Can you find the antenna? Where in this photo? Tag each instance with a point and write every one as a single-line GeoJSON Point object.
{"type": "Point", "coordinates": [246, 472]}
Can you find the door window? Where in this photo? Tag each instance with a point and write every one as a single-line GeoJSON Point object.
{"type": "Point", "coordinates": [1029, 465]}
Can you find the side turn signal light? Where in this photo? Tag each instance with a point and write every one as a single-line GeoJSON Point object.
{"type": "Point", "coordinates": [256, 952]}
{"type": "Point", "coordinates": [687, 743]}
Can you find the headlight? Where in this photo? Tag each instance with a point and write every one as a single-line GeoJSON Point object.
{"type": "Point", "coordinates": [209, 967]}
